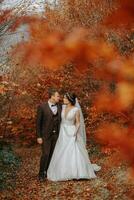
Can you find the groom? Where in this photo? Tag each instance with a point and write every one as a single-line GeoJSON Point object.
{"type": "Point", "coordinates": [47, 129]}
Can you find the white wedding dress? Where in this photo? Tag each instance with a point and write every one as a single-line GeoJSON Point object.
{"type": "Point", "coordinates": [70, 158]}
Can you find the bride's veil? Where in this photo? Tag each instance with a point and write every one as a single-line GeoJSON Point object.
{"type": "Point", "coordinates": [82, 130]}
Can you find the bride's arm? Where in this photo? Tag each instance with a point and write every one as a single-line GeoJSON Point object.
{"type": "Point", "coordinates": [77, 124]}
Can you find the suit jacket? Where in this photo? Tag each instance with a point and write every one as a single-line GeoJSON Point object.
{"type": "Point", "coordinates": [44, 120]}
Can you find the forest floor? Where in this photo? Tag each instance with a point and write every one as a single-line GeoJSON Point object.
{"type": "Point", "coordinates": [111, 183]}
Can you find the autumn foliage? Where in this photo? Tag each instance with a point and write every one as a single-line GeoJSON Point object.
{"type": "Point", "coordinates": [63, 41]}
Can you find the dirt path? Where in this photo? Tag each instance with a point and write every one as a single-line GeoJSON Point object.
{"type": "Point", "coordinates": [111, 183]}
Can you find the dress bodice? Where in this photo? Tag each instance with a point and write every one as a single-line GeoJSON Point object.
{"type": "Point", "coordinates": [70, 117]}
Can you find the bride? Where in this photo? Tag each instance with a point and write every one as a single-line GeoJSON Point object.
{"type": "Point", "coordinates": [70, 158]}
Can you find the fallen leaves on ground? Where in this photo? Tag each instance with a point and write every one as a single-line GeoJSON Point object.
{"type": "Point", "coordinates": [111, 182]}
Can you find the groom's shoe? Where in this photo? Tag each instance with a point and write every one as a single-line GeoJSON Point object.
{"type": "Point", "coordinates": [42, 177]}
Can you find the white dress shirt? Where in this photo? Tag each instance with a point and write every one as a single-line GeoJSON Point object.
{"type": "Point", "coordinates": [53, 108]}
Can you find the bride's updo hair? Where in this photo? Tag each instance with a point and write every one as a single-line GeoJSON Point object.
{"type": "Point", "coordinates": [71, 97]}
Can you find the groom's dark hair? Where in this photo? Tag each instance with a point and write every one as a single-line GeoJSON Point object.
{"type": "Point", "coordinates": [52, 91]}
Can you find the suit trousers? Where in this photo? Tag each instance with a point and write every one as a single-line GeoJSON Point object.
{"type": "Point", "coordinates": [47, 151]}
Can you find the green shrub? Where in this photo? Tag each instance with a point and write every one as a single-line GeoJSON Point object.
{"type": "Point", "coordinates": [9, 162]}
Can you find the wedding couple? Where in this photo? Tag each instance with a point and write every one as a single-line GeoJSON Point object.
{"type": "Point", "coordinates": [61, 133]}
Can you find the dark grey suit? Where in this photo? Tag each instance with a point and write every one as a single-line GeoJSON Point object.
{"type": "Point", "coordinates": [47, 128]}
